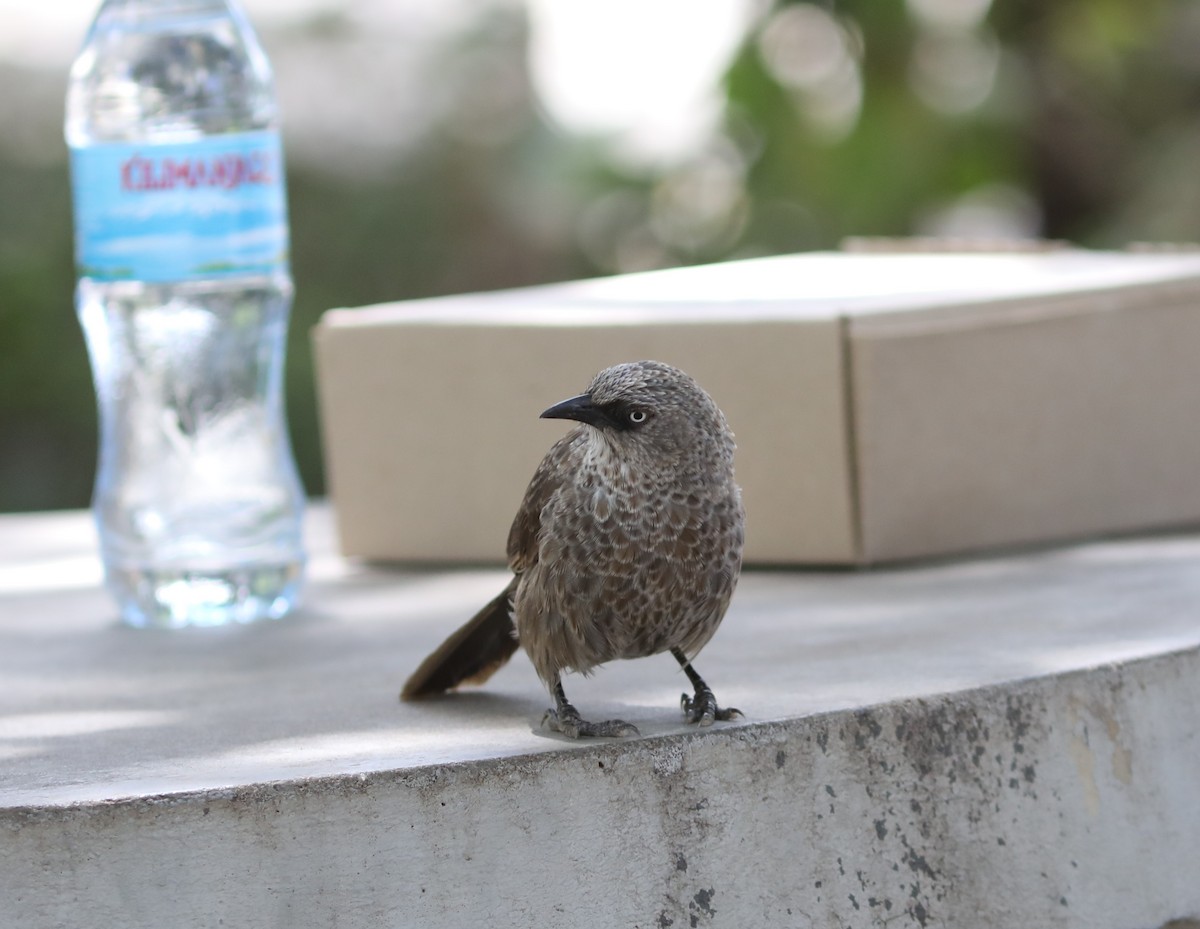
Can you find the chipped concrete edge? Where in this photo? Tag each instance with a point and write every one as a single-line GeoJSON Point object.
{"type": "Point", "coordinates": [1066, 800]}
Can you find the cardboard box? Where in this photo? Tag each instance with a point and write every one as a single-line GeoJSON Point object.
{"type": "Point", "coordinates": [886, 406]}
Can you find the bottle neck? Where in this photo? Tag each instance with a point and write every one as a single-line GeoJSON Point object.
{"type": "Point", "coordinates": [150, 8]}
{"type": "Point", "coordinates": [139, 13]}
{"type": "Point", "coordinates": [168, 70]}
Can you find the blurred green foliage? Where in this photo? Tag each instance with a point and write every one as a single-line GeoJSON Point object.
{"type": "Point", "coordinates": [1077, 120]}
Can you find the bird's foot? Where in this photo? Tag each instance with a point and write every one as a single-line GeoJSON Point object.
{"type": "Point", "coordinates": [567, 721]}
{"type": "Point", "coordinates": [703, 709]}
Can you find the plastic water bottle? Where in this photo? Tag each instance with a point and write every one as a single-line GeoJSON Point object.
{"type": "Point", "coordinates": [184, 294]}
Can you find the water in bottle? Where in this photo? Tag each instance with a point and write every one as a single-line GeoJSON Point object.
{"type": "Point", "coordinates": [184, 294]}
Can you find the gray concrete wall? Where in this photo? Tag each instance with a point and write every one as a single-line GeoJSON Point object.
{"type": "Point", "coordinates": [1065, 801]}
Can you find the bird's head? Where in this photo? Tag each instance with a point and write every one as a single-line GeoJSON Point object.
{"type": "Point", "coordinates": [649, 406]}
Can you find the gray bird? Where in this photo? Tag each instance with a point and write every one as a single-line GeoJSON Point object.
{"type": "Point", "coordinates": [628, 543]}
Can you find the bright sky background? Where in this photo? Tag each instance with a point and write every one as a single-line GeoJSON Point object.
{"type": "Point", "coordinates": [642, 71]}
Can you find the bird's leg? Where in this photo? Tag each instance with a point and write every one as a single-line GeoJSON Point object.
{"type": "Point", "coordinates": [703, 707]}
{"type": "Point", "coordinates": [565, 718]}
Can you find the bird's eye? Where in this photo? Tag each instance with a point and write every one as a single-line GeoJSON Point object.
{"type": "Point", "coordinates": [637, 417]}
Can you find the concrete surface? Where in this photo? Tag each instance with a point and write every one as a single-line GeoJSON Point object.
{"type": "Point", "coordinates": [1004, 742]}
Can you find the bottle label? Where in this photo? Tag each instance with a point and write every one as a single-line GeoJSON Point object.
{"type": "Point", "coordinates": [214, 207]}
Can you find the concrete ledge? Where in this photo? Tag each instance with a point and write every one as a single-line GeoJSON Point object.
{"type": "Point", "coordinates": [1011, 742]}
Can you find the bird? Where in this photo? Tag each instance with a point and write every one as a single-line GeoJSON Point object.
{"type": "Point", "coordinates": [627, 543]}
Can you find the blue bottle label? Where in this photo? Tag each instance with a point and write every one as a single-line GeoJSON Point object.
{"type": "Point", "coordinates": [214, 207]}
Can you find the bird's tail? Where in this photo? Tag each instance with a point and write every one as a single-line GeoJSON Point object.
{"type": "Point", "coordinates": [472, 654]}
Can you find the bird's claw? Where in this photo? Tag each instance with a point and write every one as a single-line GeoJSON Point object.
{"type": "Point", "coordinates": [703, 709]}
{"type": "Point", "coordinates": [574, 727]}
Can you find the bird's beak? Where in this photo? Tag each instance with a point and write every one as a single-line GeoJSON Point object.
{"type": "Point", "coordinates": [581, 409]}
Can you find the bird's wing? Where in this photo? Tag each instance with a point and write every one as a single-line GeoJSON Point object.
{"type": "Point", "coordinates": [523, 536]}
